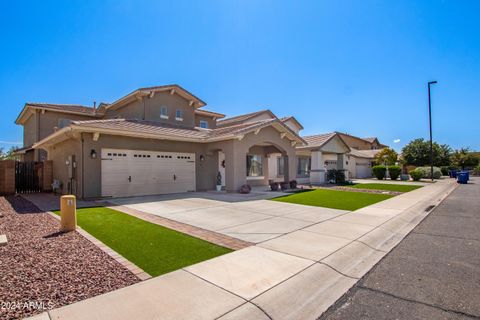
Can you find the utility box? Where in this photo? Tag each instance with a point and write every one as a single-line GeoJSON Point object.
{"type": "Point", "coordinates": [68, 213]}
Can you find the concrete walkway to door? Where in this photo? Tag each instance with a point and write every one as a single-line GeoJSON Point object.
{"type": "Point", "coordinates": [296, 275]}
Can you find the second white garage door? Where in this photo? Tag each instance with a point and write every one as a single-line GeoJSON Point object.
{"type": "Point", "coordinates": [363, 170]}
{"type": "Point", "coordinates": [136, 173]}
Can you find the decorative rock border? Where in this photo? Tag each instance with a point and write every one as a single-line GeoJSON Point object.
{"type": "Point", "coordinates": [137, 271]}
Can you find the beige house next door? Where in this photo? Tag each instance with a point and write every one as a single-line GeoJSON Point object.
{"type": "Point", "coordinates": [136, 173]}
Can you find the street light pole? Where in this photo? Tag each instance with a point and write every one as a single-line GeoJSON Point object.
{"type": "Point", "coordinates": [430, 122]}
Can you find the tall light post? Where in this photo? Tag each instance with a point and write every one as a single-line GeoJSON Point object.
{"type": "Point", "coordinates": [430, 121]}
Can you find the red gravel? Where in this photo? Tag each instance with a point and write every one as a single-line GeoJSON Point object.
{"type": "Point", "coordinates": [39, 265]}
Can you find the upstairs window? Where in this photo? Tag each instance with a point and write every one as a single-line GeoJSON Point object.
{"type": "Point", "coordinates": [178, 115]}
{"type": "Point", "coordinates": [204, 124]}
{"type": "Point", "coordinates": [163, 112]}
{"type": "Point", "coordinates": [62, 123]}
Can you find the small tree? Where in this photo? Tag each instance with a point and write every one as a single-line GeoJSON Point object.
{"type": "Point", "coordinates": [464, 158]}
{"type": "Point", "coordinates": [387, 157]}
{"type": "Point", "coordinates": [417, 153]}
{"type": "Point", "coordinates": [9, 154]}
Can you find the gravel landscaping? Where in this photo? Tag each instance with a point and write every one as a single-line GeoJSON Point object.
{"type": "Point", "coordinates": [41, 267]}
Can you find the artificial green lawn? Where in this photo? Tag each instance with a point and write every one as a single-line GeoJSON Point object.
{"type": "Point", "coordinates": [155, 249]}
{"type": "Point", "coordinates": [386, 186]}
{"type": "Point", "coordinates": [334, 199]}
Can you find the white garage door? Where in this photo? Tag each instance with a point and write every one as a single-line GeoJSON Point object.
{"type": "Point", "coordinates": [136, 173]}
{"type": "Point", "coordinates": [363, 170]}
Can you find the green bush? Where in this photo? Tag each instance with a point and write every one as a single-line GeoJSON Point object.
{"type": "Point", "coordinates": [416, 174]}
{"type": "Point", "coordinates": [394, 172]}
{"type": "Point", "coordinates": [379, 172]}
{"type": "Point", "coordinates": [337, 176]}
{"type": "Point", "coordinates": [444, 170]}
{"type": "Point", "coordinates": [437, 173]}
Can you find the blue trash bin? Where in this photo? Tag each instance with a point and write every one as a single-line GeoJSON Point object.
{"type": "Point", "coordinates": [462, 177]}
{"type": "Point", "coordinates": [453, 174]}
{"type": "Point", "coordinates": [467, 173]}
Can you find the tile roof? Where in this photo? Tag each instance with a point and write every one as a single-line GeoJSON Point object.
{"type": "Point", "coordinates": [161, 129]}
{"type": "Point", "coordinates": [143, 127]}
{"type": "Point", "coordinates": [242, 117]}
{"type": "Point", "coordinates": [319, 139]}
{"type": "Point", "coordinates": [89, 111]}
{"type": "Point", "coordinates": [370, 139]}
{"type": "Point", "coordinates": [285, 119]}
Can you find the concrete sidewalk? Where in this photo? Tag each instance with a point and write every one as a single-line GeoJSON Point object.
{"type": "Point", "coordinates": [433, 274]}
{"type": "Point", "coordinates": [298, 275]}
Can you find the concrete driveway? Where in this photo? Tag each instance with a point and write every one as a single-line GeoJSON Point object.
{"type": "Point", "coordinates": [250, 218]}
{"type": "Point", "coordinates": [291, 274]}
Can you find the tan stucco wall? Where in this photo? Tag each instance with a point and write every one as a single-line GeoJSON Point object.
{"type": "Point", "coordinates": [211, 123]}
{"type": "Point", "coordinates": [151, 108]}
{"type": "Point", "coordinates": [30, 131]}
{"type": "Point", "coordinates": [236, 160]}
{"type": "Point", "coordinates": [49, 120]}
{"type": "Point", "coordinates": [206, 170]}
{"type": "Point", "coordinates": [59, 155]}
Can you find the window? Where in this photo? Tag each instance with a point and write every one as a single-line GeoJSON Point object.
{"type": "Point", "coordinates": [204, 124]}
{"type": "Point", "coordinates": [164, 112]}
{"type": "Point", "coordinates": [303, 167]}
{"type": "Point", "coordinates": [62, 123]}
{"type": "Point", "coordinates": [178, 115]}
{"type": "Point", "coordinates": [254, 166]}
{"type": "Point", "coordinates": [280, 166]}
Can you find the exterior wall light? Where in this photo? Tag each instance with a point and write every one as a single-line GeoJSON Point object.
{"type": "Point", "coordinates": [202, 157]}
{"type": "Point", "coordinates": [93, 154]}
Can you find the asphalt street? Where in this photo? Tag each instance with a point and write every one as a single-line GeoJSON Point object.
{"type": "Point", "coordinates": [434, 273]}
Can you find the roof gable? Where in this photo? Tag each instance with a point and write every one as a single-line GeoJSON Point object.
{"type": "Point", "coordinates": [249, 117]}
{"type": "Point", "coordinates": [150, 91]}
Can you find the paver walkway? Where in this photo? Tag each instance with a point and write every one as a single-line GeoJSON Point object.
{"type": "Point", "coordinates": [433, 274]}
{"type": "Point", "coordinates": [297, 275]}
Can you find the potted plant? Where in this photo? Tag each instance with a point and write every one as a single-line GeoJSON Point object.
{"type": "Point", "coordinates": [274, 186]}
{"type": "Point", "coordinates": [219, 181]}
{"type": "Point", "coordinates": [293, 184]}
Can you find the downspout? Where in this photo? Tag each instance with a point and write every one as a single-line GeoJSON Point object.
{"type": "Point", "coordinates": [83, 166]}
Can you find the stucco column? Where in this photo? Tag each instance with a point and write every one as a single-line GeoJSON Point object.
{"type": "Point", "coordinates": [235, 167]}
{"type": "Point", "coordinates": [290, 166]}
{"type": "Point", "coordinates": [317, 172]}
{"type": "Point", "coordinates": [341, 164]}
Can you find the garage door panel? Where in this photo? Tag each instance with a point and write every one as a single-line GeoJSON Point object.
{"type": "Point", "coordinates": [133, 172]}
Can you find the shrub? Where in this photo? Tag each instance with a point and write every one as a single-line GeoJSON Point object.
{"type": "Point", "coordinates": [394, 172]}
{"type": "Point", "coordinates": [416, 174]}
{"type": "Point", "coordinates": [379, 172]}
{"type": "Point", "coordinates": [437, 173]}
{"type": "Point", "coordinates": [444, 170]}
{"type": "Point", "coordinates": [284, 185]}
{"type": "Point", "coordinates": [293, 184]}
{"type": "Point", "coordinates": [337, 176]}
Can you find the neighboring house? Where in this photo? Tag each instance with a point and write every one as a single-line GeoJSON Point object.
{"type": "Point", "coordinates": [159, 140]}
{"type": "Point", "coordinates": [362, 155]}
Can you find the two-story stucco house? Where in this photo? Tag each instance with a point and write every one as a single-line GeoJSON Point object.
{"type": "Point", "coordinates": [160, 140]}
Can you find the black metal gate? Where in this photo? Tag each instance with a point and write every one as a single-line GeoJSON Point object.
{"type": "Point", "coordinates": [28, 177]}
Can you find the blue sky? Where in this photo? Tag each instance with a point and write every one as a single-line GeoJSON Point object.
{"type": "Point", "coordinates": [354, 66]}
